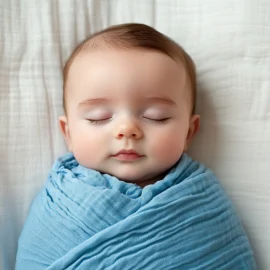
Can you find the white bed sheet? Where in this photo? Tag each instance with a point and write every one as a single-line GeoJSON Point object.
{"type": "Point", "coordinates": [230, 43]}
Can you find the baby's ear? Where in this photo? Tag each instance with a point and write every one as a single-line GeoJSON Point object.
{"type": "Point", "coordinates": [63, 123]}
{"type": "Point", "coordinates": [194, 125]}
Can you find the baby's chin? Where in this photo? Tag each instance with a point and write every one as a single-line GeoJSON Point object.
{"type": "Point", "coordinates": [132, 174]}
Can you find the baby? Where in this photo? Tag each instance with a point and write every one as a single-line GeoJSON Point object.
{"type": "Point", "coordinates": [129, 95]}
{"type": "Point", "coordinates": [127, 196]}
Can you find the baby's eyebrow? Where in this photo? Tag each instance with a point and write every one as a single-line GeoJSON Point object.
{"type": "Point", "coordinates": [162, 100]}
{"type": "Point", "coordinates": [94, 101]}
{"type": "Point", "coordinates": [99, 101]}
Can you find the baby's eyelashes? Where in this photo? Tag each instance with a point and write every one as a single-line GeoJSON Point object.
{"type": "Point", "coordinates": [150, 115]}
{"type": "Point", "coordinates": [106, 120]}
{"type": "Point", "coordinates": [99, 121]}
{"type": "Point", "coordinates": [158, 120]}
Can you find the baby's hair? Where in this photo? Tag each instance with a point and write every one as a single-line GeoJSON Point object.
{"type": "Point", "coordinates": [134, 36]}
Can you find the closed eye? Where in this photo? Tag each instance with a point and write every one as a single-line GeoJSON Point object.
{"type": "Point", "coordinates": [160, 120]}
{"type": "Point", "coordinates": [99, 121]}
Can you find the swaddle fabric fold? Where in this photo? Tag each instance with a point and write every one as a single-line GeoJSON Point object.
{"type": "Point", "coordinates": [83, 219]}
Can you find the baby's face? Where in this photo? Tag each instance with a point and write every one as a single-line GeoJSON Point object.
{"type": "Point", "coordinates": [128, 113]}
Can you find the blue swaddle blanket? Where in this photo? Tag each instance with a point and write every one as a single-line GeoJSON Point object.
{"type": "Point", "coordinates": [83, 219]}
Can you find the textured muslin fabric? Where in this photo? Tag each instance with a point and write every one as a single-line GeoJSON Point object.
{"type": "Point", "coordinates": [83, 219]}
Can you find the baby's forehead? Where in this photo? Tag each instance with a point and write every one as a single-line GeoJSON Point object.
{"type": "Point", "coordinates": [97, 53]}
{"type": "Point", "coordinates": [120, 65]}
{"type": "Point", "coordinates": [92, 78]}
{"type": "Point", "coordinates": [132, 59]}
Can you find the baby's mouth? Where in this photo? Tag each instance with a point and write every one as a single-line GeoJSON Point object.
{"type": "Point", "coordinates": [127, 155]}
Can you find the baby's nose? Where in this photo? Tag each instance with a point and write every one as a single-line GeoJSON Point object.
{"type": "Point", "coordinates": [128, 129]}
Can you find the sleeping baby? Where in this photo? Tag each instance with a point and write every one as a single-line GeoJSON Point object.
{"type": "Point", "coordinates": [127, 196]}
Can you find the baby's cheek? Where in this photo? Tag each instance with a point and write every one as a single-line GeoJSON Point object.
{"type": "Point", "coordinates": [168, 148]}
{"type": "Point", "coordinates": [86, 149]}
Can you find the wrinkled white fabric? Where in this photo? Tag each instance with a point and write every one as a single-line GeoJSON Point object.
{"type": "Point", "coordinates": [229, 41]}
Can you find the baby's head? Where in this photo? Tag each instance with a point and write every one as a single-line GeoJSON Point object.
{"type": "Point", "coordinates": [129, 95]}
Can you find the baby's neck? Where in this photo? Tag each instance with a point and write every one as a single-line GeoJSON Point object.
{"type": "Point", "coordinates": [151, 181]}
{"type": "Point", "coordinates": [145, 183]}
